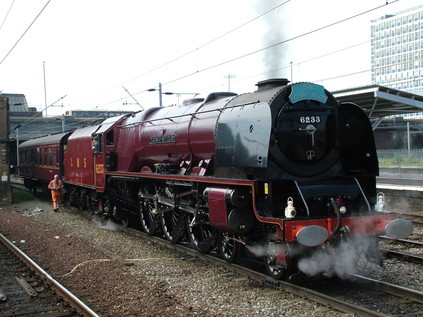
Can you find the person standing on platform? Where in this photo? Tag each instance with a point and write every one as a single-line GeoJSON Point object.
{"type": "Point", "coordinates": [56, 186]}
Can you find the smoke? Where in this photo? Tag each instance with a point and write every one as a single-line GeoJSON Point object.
{"type": "Point", "coordinates": [399, 204]}
{"type": "Point", "coordinates": [274, 58]}
{"type": "Point", "coordinates": [109, 225]}
{"type": "Point", "coordinates": [265, 249]}
{"type": "Point", "coordinates": [340, 262]}
{"type": "Point", "coordinates": [260, 250]}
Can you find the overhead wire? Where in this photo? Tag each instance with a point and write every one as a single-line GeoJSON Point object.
{"type": "Point", "coordinates": [278, 43]}
{"type": "Point", "coordinates": [266, 47]}
{"type": "Point", "coordinates": [211, 41]}
{"type": "Point", "coordinates": [344, 75]}
{"type": "Point", "coordinates": [7, 14]}
{"type": "Point", "coordinates": [239, 57]}
{"type": "Point", "coordinates": [306, 61]}
{"type": "Point", "coordinates": [23, 34]}
{"type": "Point", "coordinates": [197, 49]}
{"type": "Point", "coordinates": [260, 50]}
{"type": "Point", "coordinates": [272, 70]}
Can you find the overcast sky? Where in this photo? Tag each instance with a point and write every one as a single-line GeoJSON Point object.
{"type": "Point", "coordinates": [91, 49]}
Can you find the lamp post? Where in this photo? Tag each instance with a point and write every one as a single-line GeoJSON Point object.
{"type": "Point", "coordinates": [228, 77]}
{"type": "Point", "coordinates": [17, 147]}
{"type": "Point", "coordinates": [160, 94]}
{"type": "Point", "coordinates": [169, 93]}
{"type": "Point", "coordinates": [45, 89]}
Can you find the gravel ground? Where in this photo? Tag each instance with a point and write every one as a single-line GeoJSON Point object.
{"type": "Point", "coordinates": [159, 282]}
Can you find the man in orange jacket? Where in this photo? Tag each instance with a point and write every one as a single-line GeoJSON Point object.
{"type": "Point", "coordinates": [55, 186]}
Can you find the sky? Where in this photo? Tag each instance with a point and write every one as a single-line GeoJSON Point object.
{"type": "Point", "coordinates": [98, 53]}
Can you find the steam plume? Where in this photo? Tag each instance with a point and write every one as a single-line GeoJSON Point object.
{"type": "Point", "coordinates": [275, 57]}
{"type": "Point", "coordinates": [341, 263]}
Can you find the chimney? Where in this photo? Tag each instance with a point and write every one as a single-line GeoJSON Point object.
{"type": "Point", "coordinates": [271, 83]}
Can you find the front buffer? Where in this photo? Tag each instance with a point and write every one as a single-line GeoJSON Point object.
{"type": "Point", "coordinates": [332, 246]}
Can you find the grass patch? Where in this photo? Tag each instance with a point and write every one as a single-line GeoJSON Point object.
{"type": "Point", "coordinates": [19, 196]}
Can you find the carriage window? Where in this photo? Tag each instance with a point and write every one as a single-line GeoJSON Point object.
{"type": "Point", "coordinates": [50, 157]}
{"type": "Point", "coordinates": [110, 138]}
{"type": "Point", "coordinates": [55, 161]}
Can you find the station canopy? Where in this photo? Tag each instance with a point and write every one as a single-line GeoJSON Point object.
{"type": "Point", "coordinates": [379, 101]}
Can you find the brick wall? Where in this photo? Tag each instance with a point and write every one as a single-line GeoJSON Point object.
{"type": "Point", "coordinates": [5, 190]}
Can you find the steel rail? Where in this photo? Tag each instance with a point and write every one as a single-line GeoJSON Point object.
{"type": "Point", "coordinates": [402, 241]}
{"type": "Point", "coordinates": [70, 298]}
{"type": "Point", "coordinates": [411, 215]}
{"type": "Point", "coordinates": [401, 255]}
{"type": "Point", "coordinates": [392, 289]}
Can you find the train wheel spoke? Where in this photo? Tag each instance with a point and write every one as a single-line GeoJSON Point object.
{"type": "Point", "coordinates": [229, 248]}
{"type": "Point", "coordinates": [202, 237]}
{"type": "Point", "coordinates": [173, 225]}
{"type": "Point", "coordinates": [274, 268]}
{"type": "Point", "coordinates": [148, 220]}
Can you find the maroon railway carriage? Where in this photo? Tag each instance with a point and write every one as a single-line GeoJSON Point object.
{"type": "Point", "coordinates": [40, 159]}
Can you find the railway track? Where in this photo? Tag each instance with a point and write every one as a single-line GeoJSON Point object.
{"type": "Point", "coordinates": [377, 297]}
{"type": "Point", "coordinates": [340, 304]}
{"type": "Point", "coordinates": [415, 218]}
{"type": "Point", "coordinates": [24, 294]}
{"type": "Point", "coordinates": [398, 248]}
{"type": "Point", "coordinates": [408, 243]}
{"type": "Point", "coordinates": [320, 296]}
{"type": "Point", "coordinates": [403, 292]}
{"type": "Point", "coordinates": [402, 256]}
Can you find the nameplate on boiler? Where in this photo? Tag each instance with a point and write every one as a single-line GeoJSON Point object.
{"type": "Point", "coordinates": [163, 139]}
{"type": "Point", "coordinates": [308, 91]}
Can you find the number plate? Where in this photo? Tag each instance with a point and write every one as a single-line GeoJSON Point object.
{"type": "Point", "coordinates": [310, 119]}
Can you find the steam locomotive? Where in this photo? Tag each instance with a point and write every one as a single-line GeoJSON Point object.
{"type": "Point", "coordinates": [286, 170]}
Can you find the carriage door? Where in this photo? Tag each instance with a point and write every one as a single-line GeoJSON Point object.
{"type": "Point", "coordinates": [98, 150]}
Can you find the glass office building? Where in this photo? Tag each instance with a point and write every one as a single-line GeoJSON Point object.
{"type": "Point", "coordinates": [397, 50]}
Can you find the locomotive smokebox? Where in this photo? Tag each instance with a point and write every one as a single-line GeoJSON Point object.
{"type": "Point", "coordinates": [271, 83]}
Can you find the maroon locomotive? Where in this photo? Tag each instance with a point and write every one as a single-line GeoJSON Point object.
{"type": "Point", "coordinates": [282, 172]}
